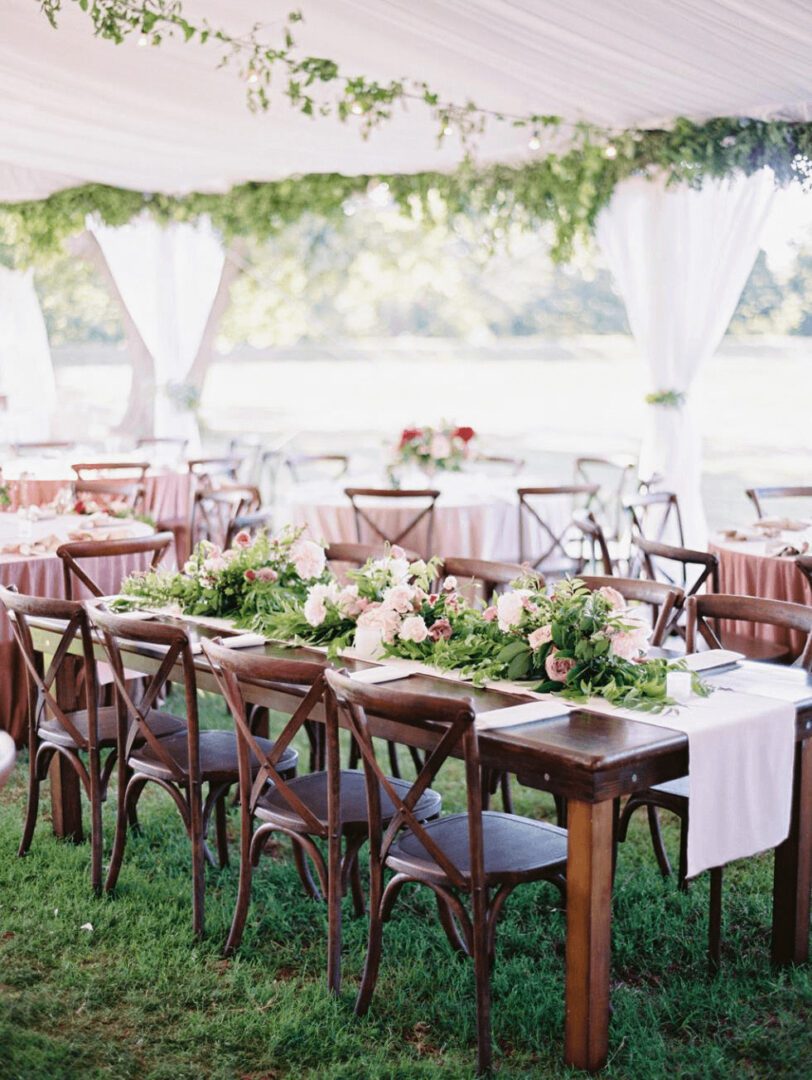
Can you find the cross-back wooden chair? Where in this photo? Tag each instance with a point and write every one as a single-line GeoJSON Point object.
{"type": "Point", "coordinates": [703, 612]}
{"type": "Point", "coordinates": [655, 516]}
{"type": "Point", "coordinates": [478, 854]}
{"type": "Point", "coordinates": [210, 471]}
{"type": "Point", "coordinates": [490, 575]}
{"type": "Point", "coordinates": [110, 482]}
{"type": "Point", "coordinates": [392, 496]}
{"type": "Point", "coordinates": [358, 554]}
{"type": "Point", "coordinates": [663, 598]}
{"type": "Point", "coordinates": [614, 476]}
{"type": "Point", "coordinates": [180, 764]}
{"type": "Point", "coordinates": [74, 553]}
{"type": "Point", "coordinates": [759, 495]}
{"type": "Point", "coordinates": [332, 465]}
{"type": "Point", "coordinates": [599, 553]}
{"type": "Point", "coordinates": [219, 514]}
{"type": "Point", "coordinates": [558, 555]}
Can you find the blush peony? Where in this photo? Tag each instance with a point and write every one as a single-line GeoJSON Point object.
{"type": "Point", "coordinates": [380, 618]}
{"type": "Point", "coordinates": [558, 667]}
{"type": "Point", "coordinates": [414, 629]}
{"type": "Point", "coordinates": [613, 596]}
{"type": "Point", "coordinates": [540, 637]}
{"type": "Point", "coordinates": [266, 573]}
{"type": "Point", "coordinates": [400, 598]}
{"type": "Point", "coordinates": [509, 608]}
{"type": "Point", "coordinates": [440, 630]}
{"type": "Point", "coordinates": [315, 608]}
{"type": "Point", "coordinates": [308, 558]}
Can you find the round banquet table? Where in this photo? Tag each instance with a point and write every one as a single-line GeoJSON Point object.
{"type": "Point", "coordinates": [746, 567]}
{"type": "Point", "coordinates": [41, 575]}
{"type": "Point", "coordinates": [37, 481]}
{"type": "Point", "coordinates": [476, 516]}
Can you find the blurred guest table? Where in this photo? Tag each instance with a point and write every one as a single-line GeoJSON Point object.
{"type": "Point", "coordinates": [34, 481]}
{"type": "Point", "coordinates": [476, 515]}
{"type": "Point", "coordinates": [759, 560]}
{"type": "Point", "coordinates": [28, 561]}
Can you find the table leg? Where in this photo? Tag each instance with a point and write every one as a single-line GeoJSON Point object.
{"type": "Point", "coordinates": [793, 869]}
{"type": "Point", "coordinates": [589, 915]}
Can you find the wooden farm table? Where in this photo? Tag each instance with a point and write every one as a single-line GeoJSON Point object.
{"type": "Point", "coordinates": [591, 759]}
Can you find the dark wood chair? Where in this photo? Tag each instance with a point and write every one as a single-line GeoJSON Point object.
{"type": "Point", "coordinates": [599, 553]}
{"type": "Point", "coordinates": [614, 476]}
{"type": "Point", "coordinates": [109, 482]}
{"type": "Point", "coordinates": [758, 495]}
{"type": "Point", "coordinates": [74, 553]}
{"type": "Point", "coordinates": [663, 598]}
{"type": "Point", "coordinates": [79, 734]}
{"type": "Point", "coordinates": [327, 805]}
{"type": "Point", "coordinates": [219, 514]}
{"type": "Point", "coordinates": [655, 516]}
{"type": "Point", "coordinates": [358, 554]}
{"type": "Point", "coordinates": [332, 465]}
{"type": "Point", "coordinates": [482, 855]}
{"type": "Point", "coordinates": [703, 612]}
{"type": "Point", "coordinates": [489, 574]}
{"type": "Point", "coordinates": [389, 497]}
{"type": "Point", "coordinates": [562, 551]}
{"type": "Point", "coordinates": [180, 764]}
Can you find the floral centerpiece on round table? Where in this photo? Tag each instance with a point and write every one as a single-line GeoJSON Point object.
{"type": "Point", "coordinates": [443, 448]}
{"type": "Point", "coordinates": [254, 577]}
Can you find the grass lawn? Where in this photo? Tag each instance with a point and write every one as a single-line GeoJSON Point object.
{"type": "Point", "coordinates": [135, 998]}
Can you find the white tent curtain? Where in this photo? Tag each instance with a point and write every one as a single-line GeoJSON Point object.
{"type": "Point", "coordinates": [680, 258]}
{"type": "Point", "coordinates": [168, 277]}
{"type": "Point", "coordinates": [26, 370]}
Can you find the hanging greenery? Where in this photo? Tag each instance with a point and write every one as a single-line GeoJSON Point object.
{"type": "Point", "coordinates": [565, 188]}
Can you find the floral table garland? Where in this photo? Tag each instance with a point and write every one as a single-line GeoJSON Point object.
{"type": "Point", "coordinates": [571, 641]}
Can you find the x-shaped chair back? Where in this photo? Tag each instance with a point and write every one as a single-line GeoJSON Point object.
{"type": "Point", "coordinates": [704, 613]}
{"type": "Point", "coordinates": [358, 702]}
{"type": "Point", "coordinates": [215, 513]}
{"type": "Point", "coordinates": [173, 643]}
{"type": "Point", "coordinates": [428, 496]}
{"type": "Point", "coordinates": [334, 465]}
{"type": "Point", "coordinates": [655, 516]}
{"type": "Point", "coordinates": [613, 475]}
{"type": "Point", "coordinates": [555, 540]}
{"type": "Point", "coordinates": [664, 599]}
{"type": "Point", "coordinates": [111, 481]}
{"type": "Point", "coordinates": [594, 534]}
{"type": "Point", "coordinates": [759, 494]}
{"type": "Point", "coordinates": [233, 673]}
{"type": "Point", "coordinates": [73, 553]}
{"type": "Point", "coordinates": [42, 683]}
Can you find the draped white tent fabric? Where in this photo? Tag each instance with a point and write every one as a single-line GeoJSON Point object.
{"type": "Point", "coordinates": [680, 258]}
{"type": "Point", "coordinates": [168, 278]}
{"type": "Point", "coordinates": [26, 371]}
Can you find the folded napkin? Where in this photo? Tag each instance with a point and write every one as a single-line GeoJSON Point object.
{"type": "Point", "coordinates": [384, 673]}
{"type": "Point", "coordinates": [783, 524]}
{"type": "Point", "coordinates": [237, 641]}
{"type": "Point", "coordinates": [741, 753]}
{"type": "Point", "coordinates": [46, 545]}
{"type": "Point", "coordinates": [712, 658]}
{"type": "Point", "coordinates": [526, 713]}
{"type": "Point", "coordinates": [738, 534]}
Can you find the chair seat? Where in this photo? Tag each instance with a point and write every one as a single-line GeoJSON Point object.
{"type": "Point", "coordinates": [218, 757]}
{"type": "Point", "coordinates": [312, 790]}
{"type": "Point", "coordinates": [756, 648]}
{"type": "Point", "coordinates": [162, 724]}
{"type": "Point", "coordinates": [515, 848]}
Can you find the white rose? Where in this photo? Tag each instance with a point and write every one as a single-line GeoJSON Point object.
{"type": "Point", "coordinates": [315, 608]}
{"type": "Point", "coordinates": [400, 598]}
{"type": "Point", "coordinates": [348, 601]}
{"type": "Point", "coordinates": [509, 608]}
{"type": "Point", "coordinates": [399, 569]}
{"type": "Point", "coordinates": [450, 583]}
{"type": "Point", "coordinates": [308, 558]}
{"type": "Point", "coordinates": [413, 629]}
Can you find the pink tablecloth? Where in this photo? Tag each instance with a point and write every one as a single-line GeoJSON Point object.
{"type": "Point", "coordinates": [746, 569]}
{"type": "Point", "coordinates": [167, 493]}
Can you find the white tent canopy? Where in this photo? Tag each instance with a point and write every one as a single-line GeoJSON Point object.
{"type": "Point", "coordinates": [74, 108]}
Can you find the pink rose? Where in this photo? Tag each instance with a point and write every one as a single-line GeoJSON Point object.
{"type": "Point", "coordinates": [413, 629]}
{"type": "Point", "coordinates": [614, 598]}
{"type": "Point", "coordinates": [489, 614]}
{"type": "Point", "coordinates": [440, 630]}
{"type": "Point", "coordinates": [558, 667]}
{"type": "Point", "coordinates": [242, 539]}
{"type": "Point", "coordinates": [397, 552]}
{"type": "Point", "coordinates": [266, 573]}
{"type": "Point", "coordinates": [628, 643]}
{"type": "Point", "coordinates": [250, 575]}
{"type": "Point", "coordinates": [540, 637]}
{"type": "Point", "coordinates": [350, 604]}
{"type": "Point", "coordinates": [400, 598]}
{"type": "Point", "coordinates": [380, 618]}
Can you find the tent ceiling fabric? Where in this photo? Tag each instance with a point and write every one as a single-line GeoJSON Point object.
{"type": "Point", "coordinates": [74, 108]}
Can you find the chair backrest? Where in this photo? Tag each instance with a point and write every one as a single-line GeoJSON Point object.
{"type": "Point", "coordinates": [614, 476]}
{"type": "Point", "coordinates": [759, 495]}
{"type": "Point", "coordinates": [664, 599]}
{"type": "Point", "coordinates": [52, 446]}
{"type": "Point", "coordinates": [490, 574]}
{"type": "Point", "coordinates": [334, 465]}
{"type": "Point", "coordinates": [599, 547]}
{"type": "Point", "coordinates": [656, 516]}
{"type": "Point", "coordinates": [653, 554]}
{"type": "Point", "coordinates": [112, 481]}
{"type": "Point", "coordinates": [358, 554]}
{"type": "Point", "coordinates": [75, 552]}
{"type": "Point", "coordinates": [703, 611]}
{"type": "Point", "coordinates": [453, 720]}
{"type": "Point", "coordinates": [235, 673]}
{"type": "Point", "coordinates": [172, 643]}
{"type": "Point", "coordinates": [501, 463]}
{"type": "Point", "coordinates": [41, 680]}
{"type": "Point", "coordinates": [553, 539]}
{"type": "Point", "coordinates": [216, 512]}
{"type": "Point", "coordinates": [209, 472]}
{"type": "Point", "coordinates": [804, 564]}
{"type": "Point", "coordinates": [387, 497]}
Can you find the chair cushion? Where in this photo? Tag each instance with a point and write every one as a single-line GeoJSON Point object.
{"type": "Point", "coordinates": [312, 790]}
{"type": "Point", "coordinates": [218, 757]}
{"type": "Point", "coordinates": [161, 723]}
{"type": "Point", "coordinates": [515, 848]}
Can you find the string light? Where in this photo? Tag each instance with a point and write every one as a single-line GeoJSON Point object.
{"type": "Point", "coordinates": [534, 142]}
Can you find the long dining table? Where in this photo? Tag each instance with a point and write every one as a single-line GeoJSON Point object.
{"type": "Point", "coordinates": [590, 758]}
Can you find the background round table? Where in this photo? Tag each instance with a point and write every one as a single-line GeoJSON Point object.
{"type": "Point", "coordinates": [747, 568]}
